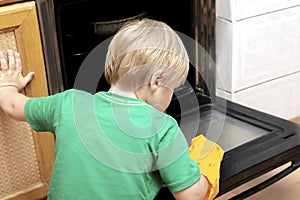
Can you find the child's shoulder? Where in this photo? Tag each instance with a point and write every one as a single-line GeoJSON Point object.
{"type": "Point", "coordinates": [69, 96]}
{"type": "Point", "coordinates": [74, 92]}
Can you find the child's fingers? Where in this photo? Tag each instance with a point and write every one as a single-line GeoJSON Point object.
{"type": "Point", "coordinates": [28, 77]}
{"type": "Point", "coordinates": [18, 62]}
{"type": "Point", "coordinates": [3, 63]}
{"type": "Point", "coordinates": [11, 60]}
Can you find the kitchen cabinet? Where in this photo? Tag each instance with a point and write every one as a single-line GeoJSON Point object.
{"type": "Point", "coordinates": [257, 54]}
{"type": "Point", "coordinates": [3, 2]}
{"type": "Point", "coordinates": [26, 157]}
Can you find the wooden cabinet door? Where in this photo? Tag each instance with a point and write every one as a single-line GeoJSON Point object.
{"type": "Point", "coordinates": [26, 157]}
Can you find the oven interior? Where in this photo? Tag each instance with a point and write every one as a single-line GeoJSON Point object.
{"type": "Point", "coordinates": [76, 22]}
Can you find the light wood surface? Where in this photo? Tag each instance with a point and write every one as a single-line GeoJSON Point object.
{"type": "Point", "coordinates": [20, 19]}
{"type": "Point", "coordinates": [287, 188]}
{"type": "Point", "coordinates": [3, 2]}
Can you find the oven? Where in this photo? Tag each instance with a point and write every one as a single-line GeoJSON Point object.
{"type": "Point", "coordinates": [254, 142]}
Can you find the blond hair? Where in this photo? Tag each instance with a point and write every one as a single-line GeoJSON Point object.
{"type": "Point", "coordinates": [142, 48]}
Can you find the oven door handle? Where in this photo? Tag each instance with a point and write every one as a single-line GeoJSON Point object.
{"type": "Point", "coordinates": [295, 165]}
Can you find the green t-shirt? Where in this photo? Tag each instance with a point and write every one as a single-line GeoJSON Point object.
{"type": "Point", "coordinates": [111, 147]}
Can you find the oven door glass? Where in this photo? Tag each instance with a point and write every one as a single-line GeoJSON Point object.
{"type": "Point", "coordinates": [232, 132]}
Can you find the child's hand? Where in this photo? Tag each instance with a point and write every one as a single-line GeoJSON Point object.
{"type": "Point", "coordinates": [11, 71]}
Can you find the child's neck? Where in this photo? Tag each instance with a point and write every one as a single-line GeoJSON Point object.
{"type": "Point", "coordinates": [116, 90]}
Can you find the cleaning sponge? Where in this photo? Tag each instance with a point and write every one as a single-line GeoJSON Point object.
{"type": "Point", "coordinates": [208, 155]}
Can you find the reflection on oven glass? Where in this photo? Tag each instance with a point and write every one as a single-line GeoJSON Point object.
{"type": "Point", "coordinates": [232, 132]}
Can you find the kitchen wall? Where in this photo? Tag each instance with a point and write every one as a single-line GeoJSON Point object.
{"type": "Point", "coordinates": [258, 54]}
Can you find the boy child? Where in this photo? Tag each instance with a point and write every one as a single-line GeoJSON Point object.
{"type": "Point", "coordinates": [117, 144]}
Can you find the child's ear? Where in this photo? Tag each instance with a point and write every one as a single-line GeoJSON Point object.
{"type": "Point", "coordinates": [155, 80]}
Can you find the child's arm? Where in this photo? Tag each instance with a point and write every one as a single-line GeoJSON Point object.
{"type": "Point", "coordinates": [11, 82]}
{"type": "Point", "coordinates": [196, 191]}
{"type": "Point", "coordinates": [179, 172]}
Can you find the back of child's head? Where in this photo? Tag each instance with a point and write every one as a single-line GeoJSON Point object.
{"type": "Point", "coordinates": [143, 48]}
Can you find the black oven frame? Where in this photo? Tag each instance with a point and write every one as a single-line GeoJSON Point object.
{"type": "Point", "coordinates": [261, 155]}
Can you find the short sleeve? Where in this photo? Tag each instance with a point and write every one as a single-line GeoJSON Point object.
{"type": "Point", "coordinates": [42, 113]}
{"type": "Point", "coordinates": [177, 169]}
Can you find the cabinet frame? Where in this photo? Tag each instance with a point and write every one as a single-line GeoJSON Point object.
{"type": "Point", "coordinates": [22, 19]}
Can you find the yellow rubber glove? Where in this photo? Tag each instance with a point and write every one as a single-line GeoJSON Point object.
{"type": "Point", "coordinates": [208, 155]}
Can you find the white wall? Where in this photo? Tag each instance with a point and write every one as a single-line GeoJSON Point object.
{"type": "Point", "coordinates": [258, 54]}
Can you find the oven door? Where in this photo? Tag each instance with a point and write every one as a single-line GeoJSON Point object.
{"type": "Point", "coordinates": [254, 143]}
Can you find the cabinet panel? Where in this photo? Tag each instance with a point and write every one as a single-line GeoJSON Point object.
{"type": "Point", "coordinates": [234, 10]}
{"type": "Point", "coordinates": [26, 157]}
{"type": "Point", "coordinates": [267, 47]}
{"type": "Point", "coordinates": [256, 50]}
{"type": "Point", "coordinates": [2, 2]}
{"type": "Point", "coordinates": [257, 54]}
{"type": "Point", "coordinates": [279, 97]}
